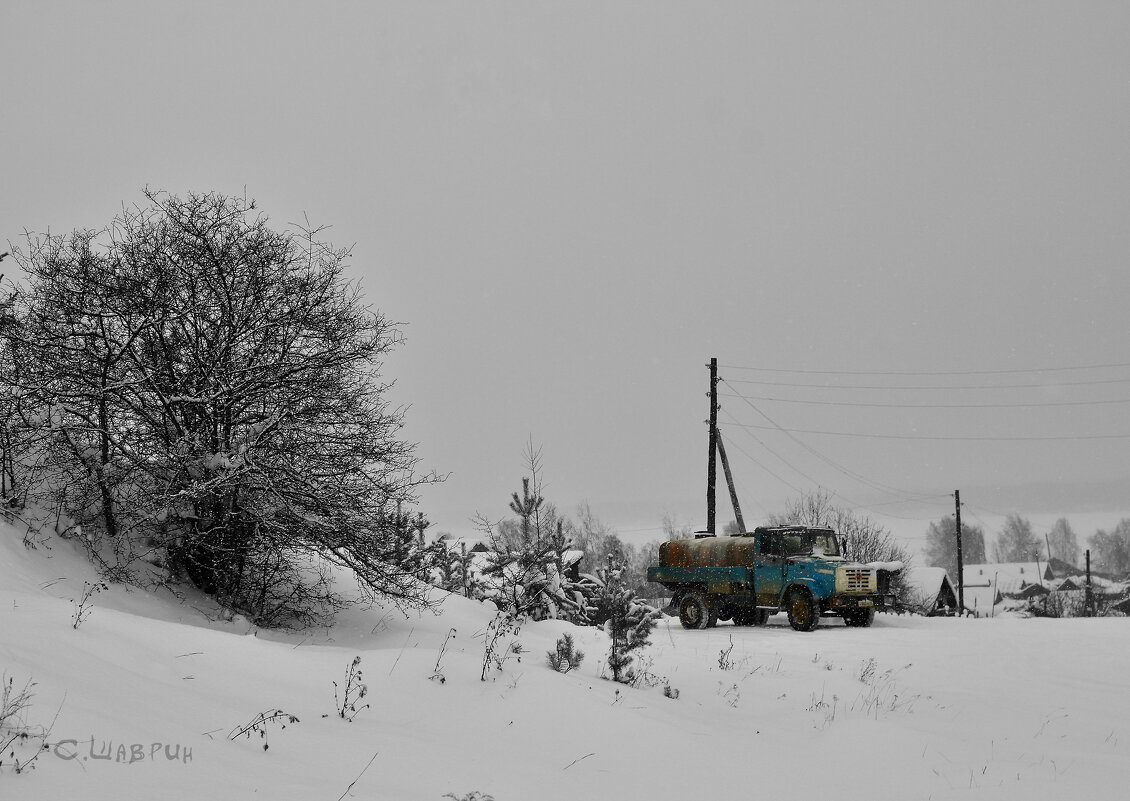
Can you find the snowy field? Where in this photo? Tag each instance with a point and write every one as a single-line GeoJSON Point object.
{"type": "Point", "coordinates": [142, 697]}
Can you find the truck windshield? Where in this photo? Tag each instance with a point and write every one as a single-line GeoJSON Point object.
{"type": "Point", "coordinates": [818, 543]}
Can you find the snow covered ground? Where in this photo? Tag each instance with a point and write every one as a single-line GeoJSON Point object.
{"type": "Point", "coordinates": [912, 708]}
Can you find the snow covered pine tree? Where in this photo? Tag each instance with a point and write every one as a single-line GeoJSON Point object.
{"type": "Point", "coordinates": [630, 621]}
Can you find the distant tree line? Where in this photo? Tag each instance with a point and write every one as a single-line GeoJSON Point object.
{"type": "Point", "coordinates": [1017, 542]}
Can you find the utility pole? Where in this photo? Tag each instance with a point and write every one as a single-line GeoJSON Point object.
{"type": "Point", "coordinates": [711, 469]}
{"type": "Point", "coordinates": [1088, 596]}
{"type": "Point", "coordinates": [730, 484]}
{"type": "Point", "coordinates": [960, 562]}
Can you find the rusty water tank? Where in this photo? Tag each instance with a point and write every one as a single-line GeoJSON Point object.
{"type": "Point", "coordinates": [708, 552]}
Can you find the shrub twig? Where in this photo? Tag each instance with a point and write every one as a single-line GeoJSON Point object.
{"type": "Point", "coordinates": [258, 725]}
{"type": "Point", "coordinates": [353, 692]}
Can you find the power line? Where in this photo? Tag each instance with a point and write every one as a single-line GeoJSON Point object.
{"type": "Point", "coordinates": [748, 494]}
{"type": "Point", "coordinates": [742, 451]}
{"type": "Point", "coordinates": [1043, 527]}
{"type": "Point", "coordinates": [929, 372]}
{"type": "Point", "coordinates": [934, 387]}
{"type": "Point", "coordinates": [953, 438]}
{"type": "Point", "coordinates": [871, 508]}
{"type": "Point", "coordinates": [933, 405]}
{"type": "Point", "coordinates": [894, 491]}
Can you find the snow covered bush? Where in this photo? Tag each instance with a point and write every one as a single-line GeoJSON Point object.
{"type": "Point", "coordinates": [204, 391]}
{"type": "Point", "coordinates": [452, 568]}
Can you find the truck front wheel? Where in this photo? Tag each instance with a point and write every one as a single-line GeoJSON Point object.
{"type": "Point", "coordinates": [804, 612]}
{"type": "Point", "coordinates": [695, 611]}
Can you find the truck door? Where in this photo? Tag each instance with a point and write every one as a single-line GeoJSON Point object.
{"type": "Point", "coordinates": [769, 569]}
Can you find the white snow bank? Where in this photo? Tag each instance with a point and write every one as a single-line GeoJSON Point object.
{"type": "Point", "coordinates": [914, 707]}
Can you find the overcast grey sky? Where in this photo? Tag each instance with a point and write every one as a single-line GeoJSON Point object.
{"type": "Point", "coordinates": [573, 206]}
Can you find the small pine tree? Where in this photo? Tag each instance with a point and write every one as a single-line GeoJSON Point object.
{"type": "Point", "coordinates": [406, 548]}
{"type": "Point", "coordinates": [567, 590]}
{"type": "Point", "coordinates": [531, 563]}
{"type": "Point", "coordinates": [565, 656]}
{"type": "Point", "coordinates": [630, 622]}
{"type": "Point", "coordinates": [452, 568]}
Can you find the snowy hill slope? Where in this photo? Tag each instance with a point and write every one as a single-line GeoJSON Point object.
{"type": "Point", "coordinates": [911, 708]}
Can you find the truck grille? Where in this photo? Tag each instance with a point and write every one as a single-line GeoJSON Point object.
{"type": "Point", "coordinates": [855, 579]}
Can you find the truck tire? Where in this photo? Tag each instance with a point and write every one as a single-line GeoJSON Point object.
{"type": "Point", "coordinates": [862, 618]}
{"type": "Point", "coordinates": [804, 612]}
{"type": "Point", "coordinates": [696, 612]}
{"type": "Point", "coordinates": [760, 617]}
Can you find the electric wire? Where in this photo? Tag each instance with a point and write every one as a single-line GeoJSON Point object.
{"type": "Point", "coordinates": [885, 488]}
{"type": "Point", "coordinates": [788, 484]}
{"type": "Point", "coordinates": [932, 405]}
{"type": "Point", "coordinates": [938, 438]}
{"type": "Point", "coordinates": [879, 486]}
{"type": "Point", "coordinates": [819, 485]}
{"type": "Point", "coordinates": [932, 387]}
{"type": "Point", "coordinates": [932, 372]}
{"type": "Point", "coordinates": [758, 503]}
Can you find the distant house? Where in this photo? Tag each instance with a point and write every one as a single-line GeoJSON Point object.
{"type": "Point", "coordinates": [1031, 591]}
{"type": "Point", "coordinates": [931, 590]}
{"type": "Point", "coordinates": [1057, 569]}
{"type": "Point", "coordinates": [1070, 584]}
{"type": "Point", "coordinates": [987, 585]}
{"type": "Point", "coordinates": [989, 588]}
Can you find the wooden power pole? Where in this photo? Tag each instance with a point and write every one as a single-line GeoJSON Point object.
{"type": "Point", "coordinates": [730, 484]}
{"type": "Point", "coordinates": [711, 470]}
{"type": "Point", "coordinates": [1089, 595]}
{"type": "Point", "coordinates": [960, 562]}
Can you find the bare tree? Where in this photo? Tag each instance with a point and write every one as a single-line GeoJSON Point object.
{"type": "Point", "coordinates": [867, 541]}
{"type": "Point", "coordinates": [675, 529]}
{"type": "Point", "coordinates": [1112, 549]}
{"type": "Point", "coordinates": [206, 386]}
{"type": "Point", "coordinates": [1016, 542]}
{"type": "Point", "coordinates": [1062, 542]}
{"type": "Point", "coordinates": [941, 545]}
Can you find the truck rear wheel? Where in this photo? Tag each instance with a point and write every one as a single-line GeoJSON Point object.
{"type": "Point", "coordinates": [695, 611]}
{"type": "Point", "coordinates": [804, 612]}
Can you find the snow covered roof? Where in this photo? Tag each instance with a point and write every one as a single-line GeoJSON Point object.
{"type": "Point", "coordinates": [1007, 577]}
{"type": "Point", "coordinates": [980, 600]}
{"type": "Point", "coordinates": [925, 580]}
{"type": "Point", "coordinates": [894, 567]}
{"type": "Point", "coordinates": [985, 584]}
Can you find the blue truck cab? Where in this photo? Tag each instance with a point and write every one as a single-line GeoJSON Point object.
{"type": "Point", "coordinates": [799, 570]}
